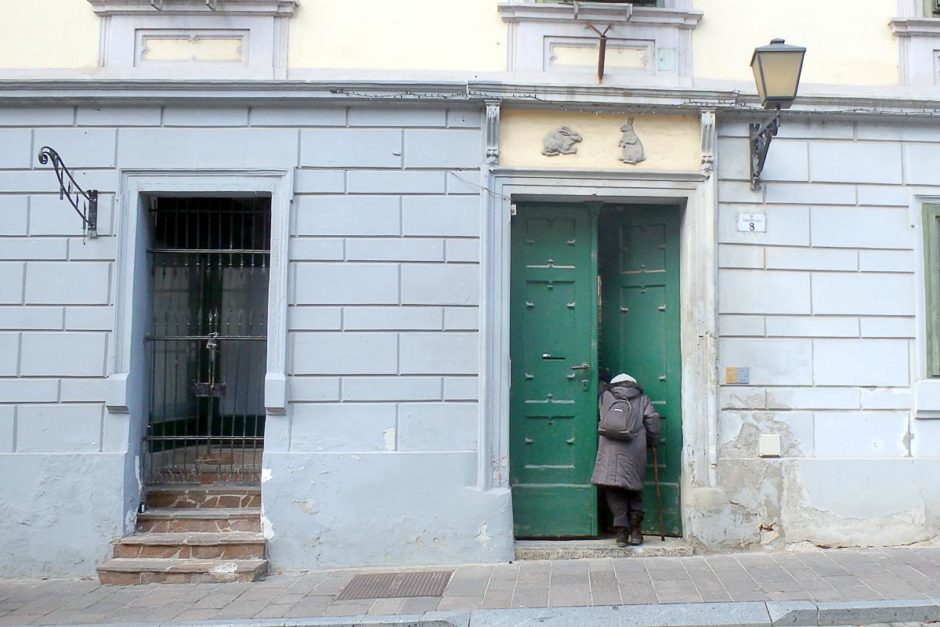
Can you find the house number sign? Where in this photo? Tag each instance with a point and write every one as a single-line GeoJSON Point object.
{"type": "Point", "coordinates": [752, 222]}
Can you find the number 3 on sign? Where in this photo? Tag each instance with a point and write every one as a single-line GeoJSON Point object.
{"type": "Point", "coordinates": [752, 222]}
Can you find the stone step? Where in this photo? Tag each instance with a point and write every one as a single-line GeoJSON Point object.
{"type": "Point", "coordinates": [227, 546]}
{"type": "Point", "coordinates": [188, 496]}
{"type": "Point", "coordinates": [605, 547]}
{"type": "Point", "coordinates": [207, 475]}
{"type": "Point", "coordinates": [209, 519]}
{"type": "Point", "coordinates": [122, 571]}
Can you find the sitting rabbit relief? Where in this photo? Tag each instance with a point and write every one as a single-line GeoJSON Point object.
{"type": "Point", "coordinates": [561, 142]}
{"type": "Point", "coordinates": [631, 144]}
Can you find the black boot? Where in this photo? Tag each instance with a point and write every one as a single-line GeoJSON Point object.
{"type": "Point", "coordinates": [636, 533]}
{"type": "Point", "coordinates": [623, 537]}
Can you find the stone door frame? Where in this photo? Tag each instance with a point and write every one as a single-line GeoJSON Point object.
{"type": "Point", "coordinates": [695, 194]}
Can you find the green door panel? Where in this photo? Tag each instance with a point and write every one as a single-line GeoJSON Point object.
{"type": "Point", "coordinates": [638, 249]}
{"type": "Point", "coordinates": [553, 407]}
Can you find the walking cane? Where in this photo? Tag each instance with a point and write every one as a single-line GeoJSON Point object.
{"type": "Point", "coordinates": [659, 496]}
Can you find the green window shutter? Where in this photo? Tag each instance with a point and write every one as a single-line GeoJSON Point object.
{"type": "Point", "coordinates": [931, 8]}
{"type": "Point", "coordinates": [932, 274]}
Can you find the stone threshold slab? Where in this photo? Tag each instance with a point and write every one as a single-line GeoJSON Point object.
{"type": "Point", "coordinates": [593, 549]}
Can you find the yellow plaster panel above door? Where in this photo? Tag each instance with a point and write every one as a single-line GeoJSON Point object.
{"type": "Point", "coordinates": [670, 142]}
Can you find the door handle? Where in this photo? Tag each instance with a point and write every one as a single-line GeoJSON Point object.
{"type": "Point", "coordinates": [584, 366]}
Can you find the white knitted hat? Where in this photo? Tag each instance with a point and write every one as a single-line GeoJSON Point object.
{"type": "Point", "coordinates": [623, 377]}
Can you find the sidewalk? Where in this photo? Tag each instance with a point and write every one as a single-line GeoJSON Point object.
{"type": "Point", "coordinates": [853, 582]}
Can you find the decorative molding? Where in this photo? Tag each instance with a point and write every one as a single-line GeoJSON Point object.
{"type": "Point", "coordinates": [601, 98]}
{"type": "Point", "coordinates": [916, 26]}
{"type": "Point", "coordinates": [670, 176]}
{"type": "Point", "coordinates": [126, 367]}
{"type": "Point", "coordinates": [538, 31]}
{"type": "Point", "coordinates": [919, 43]}
{"type": "Point", "coordinates": [519, 10]}
{"type": "Point", "coordinates": [261, 25]}
{"type": "Point", "coordinates": [709, 141]}
{"type": "Point", "coordinates": [698, 276]}
{"type": "Point", "coordinates": [195, 46]}
{"type": "Point", "coordinates": [274, 8]}
{"type": "Point", "coordinates": [492, 133]}
{"type": "Point", "coordinates": [525, 10]}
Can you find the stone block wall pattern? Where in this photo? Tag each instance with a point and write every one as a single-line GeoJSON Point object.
{"type": "Point", "coordinates": [383, 317]}
{"type": "Point", "coordinates": [822, 309]}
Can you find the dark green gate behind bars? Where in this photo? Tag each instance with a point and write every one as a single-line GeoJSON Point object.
{"type": "Point", "coordinates": [207, 341]}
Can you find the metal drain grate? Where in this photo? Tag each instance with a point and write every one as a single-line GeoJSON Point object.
{"type": "Point", "coordinates": [395, 585]}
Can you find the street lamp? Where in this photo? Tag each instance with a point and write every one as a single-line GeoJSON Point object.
{"type": "Point", "coordinates": [777, 70]}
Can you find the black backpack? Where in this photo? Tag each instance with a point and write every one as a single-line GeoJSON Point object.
{"type": "Point", "coordinates": [619, 418]}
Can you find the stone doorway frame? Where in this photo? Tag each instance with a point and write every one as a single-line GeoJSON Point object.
{"type": "Point", "coordinates": [126, 384]}
{"type": "Point", "coordinates": [696, 195]}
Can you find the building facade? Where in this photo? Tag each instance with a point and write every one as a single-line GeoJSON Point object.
{"type": "Point", "coordinates": [378, 269]}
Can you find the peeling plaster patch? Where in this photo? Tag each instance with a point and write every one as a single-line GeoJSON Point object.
{"type": "Point", "coordinates": [746, 511]}
{"type": "Point", "coordinates": [130, 519]}
{"type": "Point", "coordinates": [739, 433]}
{"type": "Point", "coordinates": [308, 506]}
{"type": "Point", "coordinates": [482, 536]}
{"type": "Point", "coordinates": [267, 528]}
{"type": "Point", "coordinates": [226, 571]}
{"type": "Point", "coordinates": [265, 475]}
{"type": "Point", "coordinates": [742, 398]}
{"type": "Point", "coordinates": [823, 509]}
{"type": "Point", "coordinates": [140, 481]}
{"type": "Point", "coordinates": [390, 439]}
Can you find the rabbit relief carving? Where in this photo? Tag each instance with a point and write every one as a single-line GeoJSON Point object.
{"type": "Point", "coordinates": [561, 142]}
{"type": "Point", "coordinates": [631, 144]}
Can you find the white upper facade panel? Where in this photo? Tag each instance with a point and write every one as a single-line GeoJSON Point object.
{"type": "Point", "coordinates": [654, 43]}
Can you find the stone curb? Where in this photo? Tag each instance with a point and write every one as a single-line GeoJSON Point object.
{"type": "Point", "coordinates": [428, 619]}
{"type": "Point", "coordinates": [743, 614]}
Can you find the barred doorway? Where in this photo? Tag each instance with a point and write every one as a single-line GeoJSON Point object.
{"type": "Point", "coordinates": [207, 339]}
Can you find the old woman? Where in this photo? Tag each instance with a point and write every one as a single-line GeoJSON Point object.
{"type": "Point", "coordinates": [621, 454]}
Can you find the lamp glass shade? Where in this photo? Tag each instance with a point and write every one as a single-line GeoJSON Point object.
{"type": "Point", "coordinates": [777, 69]}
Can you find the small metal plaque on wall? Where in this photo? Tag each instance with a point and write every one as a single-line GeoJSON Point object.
{"type": "Point", "coordinates": [752, 222]}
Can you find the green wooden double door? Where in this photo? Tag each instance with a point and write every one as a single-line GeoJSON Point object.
{"type": "Point", "coordinates": [592, 287]}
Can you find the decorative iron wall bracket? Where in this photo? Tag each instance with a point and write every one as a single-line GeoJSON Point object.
{"type": "Point", "coordinates": [760, 137]}
{"type": "Point", "coordinates": [71, 190]}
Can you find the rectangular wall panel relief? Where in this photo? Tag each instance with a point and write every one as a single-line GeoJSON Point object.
{"type": "Point", "coordinates": [615, 141]}
{"type": "Point", "coordinates": [195, 46]}
{"type": "Point", "coordinates": [577, 53]}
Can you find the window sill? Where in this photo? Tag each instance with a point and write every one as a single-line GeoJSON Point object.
{"type": "Point", "coordinates": [516, 11]}
{"type": "Point", "coordinates": [276, 8]}
{"type": "Point", "coordinates": [916, 26]}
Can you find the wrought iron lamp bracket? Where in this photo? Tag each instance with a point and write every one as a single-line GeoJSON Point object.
{"type": "Point", "coordinates": [70, 189]}
{"type": "Point", "coordinates": [761, 135]}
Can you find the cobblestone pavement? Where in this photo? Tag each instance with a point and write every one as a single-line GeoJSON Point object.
{"type": "Point", "coordinates": [818, 576]}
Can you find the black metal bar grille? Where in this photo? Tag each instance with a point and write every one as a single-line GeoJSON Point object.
{"type": "Point", "coordinates": [207, 341]}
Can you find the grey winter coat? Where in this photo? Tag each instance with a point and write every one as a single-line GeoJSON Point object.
{"type": "Point", "coordinates": [623, 464]}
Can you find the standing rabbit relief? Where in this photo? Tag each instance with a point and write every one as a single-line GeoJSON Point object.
{"type": "Point", "coordinates": [631, 144]}
{"type": "Point", "coordinates": [561, 142]}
